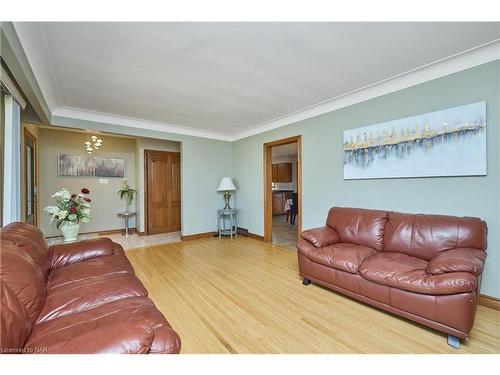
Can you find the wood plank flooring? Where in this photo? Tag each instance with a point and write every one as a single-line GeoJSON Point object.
{"type": "Point", "coordinates": [245, 296]}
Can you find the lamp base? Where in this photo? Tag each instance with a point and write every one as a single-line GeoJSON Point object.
{"type": "Point", "coordinates": [226, 199]}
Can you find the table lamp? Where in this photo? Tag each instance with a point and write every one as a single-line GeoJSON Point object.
{"type": "Point", "coordinates": [226, 185]}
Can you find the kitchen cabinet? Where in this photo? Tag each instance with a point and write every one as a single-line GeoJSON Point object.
{"type": "Point", "coordinates": [279, 203]}
{"type": "Point", "coordinates": [282, 172]}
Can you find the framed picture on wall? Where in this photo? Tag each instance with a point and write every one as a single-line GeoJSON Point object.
{"type": "Point", "coordinates": [450, 142]}
{"type": "Point", "coordinates": [89, 166]}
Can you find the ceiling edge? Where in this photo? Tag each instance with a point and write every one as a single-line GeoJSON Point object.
{"type": "Point", "coordinates": [461, 61]}
{"type": "Point", "coordinates": [452, 64]}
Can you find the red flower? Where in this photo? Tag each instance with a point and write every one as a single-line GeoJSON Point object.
{"type": "Point", "coordinates": [73, 196]}
{"type": "Point", "coordinates": [85, 191]}
{"type": "Point", "coordinates": [86, 199]}
{"type": "Point", "coordinates": [72, 210]}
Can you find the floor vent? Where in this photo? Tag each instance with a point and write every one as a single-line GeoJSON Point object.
{"type": "Point", "coordinates": [242, 231]}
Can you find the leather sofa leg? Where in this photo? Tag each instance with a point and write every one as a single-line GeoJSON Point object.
{"type": "Point", "coordinates": [306, 281]}
{"type": "Point", "coordinates": [454, 342]}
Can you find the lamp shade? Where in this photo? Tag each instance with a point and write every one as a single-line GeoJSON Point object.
{"type": "Point", "coordinates": [226, 184]}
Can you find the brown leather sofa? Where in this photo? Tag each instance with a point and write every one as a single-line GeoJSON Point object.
{"type": "Point", "coordinates": [75, 298]}
{"type": "Point", "coordinates": [426, 268]}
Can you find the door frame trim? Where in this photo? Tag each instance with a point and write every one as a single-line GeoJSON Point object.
{"type": "Point", "coordinates": [28, 134]}
{"type": "Point", "coordinates": [268, 191]}
{"type": "Point", "coordinates": [146, 213]}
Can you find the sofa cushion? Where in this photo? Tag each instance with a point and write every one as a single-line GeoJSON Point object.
{"type": "Point", "coordinates": [342, 256]}
{"type": "Point", "coordinates": [425, 236]}
{"type": "Point", "coordinates": [410, 273]}
{"type": "Point", "coordinates": [358, 226]}
{"type": "Point", "coordinates": [458, 260]}
{"type": "Point", "coordinates": [131, 325]}
{"type": "Point", "coordinates": [322, 236]}
{"type": "Point", "coordinates": [70, 253]}
{"type": "Point", "coordinates": [89, 293]}
{"type": "Point", "coordinates": [92, 268]}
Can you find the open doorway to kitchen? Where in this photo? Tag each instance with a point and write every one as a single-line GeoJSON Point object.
{"type": "Point", "coordinates": [283, 191]}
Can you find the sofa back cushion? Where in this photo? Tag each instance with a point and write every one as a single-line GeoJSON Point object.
{"type": "Point", "coordinates": [30, 240]}
{"type": "Point", "coordinates": [358, 226]}
{"type": "Point", "coordinates": [23, 274]}
{"type": "Point", "coordinates": [14, 326]}
{"type": "Point", "coordinates": [425, 236]}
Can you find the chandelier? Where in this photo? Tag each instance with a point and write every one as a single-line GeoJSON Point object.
{"type": "Point", "coordinates": [94, 144]}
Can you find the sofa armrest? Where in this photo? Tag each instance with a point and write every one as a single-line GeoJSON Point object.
{"type": "Point", "coordinates": [119, 338]}
{"type": "Point", "coordinates": [70, 253]}
{"type": "Point", "coordinates": [458, 260]}
{"type": "Point", "coordinates": [322, 236]}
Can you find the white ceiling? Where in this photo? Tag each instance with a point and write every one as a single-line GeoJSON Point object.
{"type": "Point", "coordinates": [227, 78]}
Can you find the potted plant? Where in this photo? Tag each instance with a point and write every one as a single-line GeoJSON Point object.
{"type": "Point", "coordinates": [127, 193]}
{"type": "Point", "coordinates": [69, 211]}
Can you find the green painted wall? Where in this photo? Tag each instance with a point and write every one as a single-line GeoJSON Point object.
{"type": "Point", "coordinates": [322, 180]}
{"type": "Point", "coordinates": [203, 162]}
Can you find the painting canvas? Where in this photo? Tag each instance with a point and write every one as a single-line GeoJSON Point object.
{"type": "Point", "coordinates": [90, 166]}
{"type": "Point", "coordinates": [451, 142]}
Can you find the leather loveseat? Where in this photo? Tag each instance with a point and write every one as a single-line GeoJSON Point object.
{"type": "Point", "coordinates": [426, 268]}
{"type": "Point", "coordinates": [74, 298]}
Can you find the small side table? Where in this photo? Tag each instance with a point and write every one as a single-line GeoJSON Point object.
{"type": "Point", "coordinates": [221, 219]}
{"type": "Point", "coordinates": [126, 215]}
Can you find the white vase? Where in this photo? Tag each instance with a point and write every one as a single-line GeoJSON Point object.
{"type": "Point", "coordinates": [69, 230]}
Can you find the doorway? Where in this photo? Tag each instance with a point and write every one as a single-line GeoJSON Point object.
{"type": "Point", "coordinates": [283, 191]}
{"type": "Point", "coordinates": [30, 178]}
{"type": "Point", "coordinates": [162, 191]}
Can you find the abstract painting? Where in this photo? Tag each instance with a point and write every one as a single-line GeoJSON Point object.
{"type": "Point", "coordinates": [450, 142]}
{"type": "Point", "coordinates": [90, 166]}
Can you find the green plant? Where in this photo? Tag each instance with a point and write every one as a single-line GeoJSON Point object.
{"type": "Point", "coordinates": [126, 192]}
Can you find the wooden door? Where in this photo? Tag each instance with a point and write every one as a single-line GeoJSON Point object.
{"type": "Point", "coordinates": [30, 180]}
{"type": "Point", "coordinates": [175, 197]}
{"type": "Point", "coordinates": [278, 203]}
{"type": "Point", "coordinates": [163, 191]}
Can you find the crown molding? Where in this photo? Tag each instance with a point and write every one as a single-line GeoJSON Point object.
{"type": "Point", "coordinates": [452, 64]}
{"type": "Point", "coordinates": [461, 61]}
{"type": "Point", "coordinates": [106, 118]}
{"type": "Point", "coordinates": [19, 66]}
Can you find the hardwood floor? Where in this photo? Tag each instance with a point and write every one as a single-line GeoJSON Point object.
{"type": "Point", "coordinates": [245, 296]}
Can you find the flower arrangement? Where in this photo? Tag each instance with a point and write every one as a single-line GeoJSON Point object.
{"type": "Point", "coordinates": [70, 207]}
{"type": "Point", "coordinates": [126, 192]}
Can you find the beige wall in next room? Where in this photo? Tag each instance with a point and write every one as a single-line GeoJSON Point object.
{"type": "Point", "coordinates": [105, 201]}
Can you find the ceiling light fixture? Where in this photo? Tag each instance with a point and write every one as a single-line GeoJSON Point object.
{"type": "Point", "coordinates": [94, 144]}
